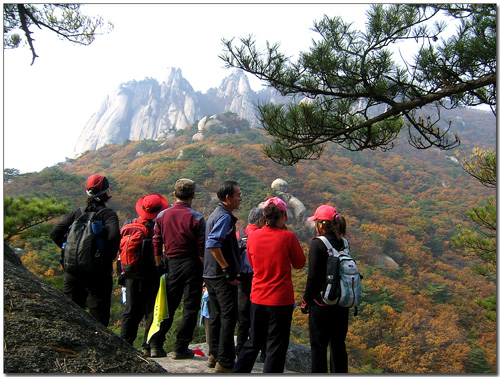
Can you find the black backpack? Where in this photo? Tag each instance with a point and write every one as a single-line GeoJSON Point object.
{"type": "Point", "coordinates": [84, 244]}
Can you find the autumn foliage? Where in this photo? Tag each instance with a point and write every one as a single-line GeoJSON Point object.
{"type": "Point", "coordinates": [402, 208]}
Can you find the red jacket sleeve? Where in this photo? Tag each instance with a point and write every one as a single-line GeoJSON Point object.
{"type": "Point", "coordinates": [297, 255]}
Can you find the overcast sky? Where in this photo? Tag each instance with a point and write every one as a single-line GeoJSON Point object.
{"type": "Point", "coordinates": [47, 104]}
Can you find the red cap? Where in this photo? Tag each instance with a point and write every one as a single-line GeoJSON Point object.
{"type": "Point", "coordinates": [324, 213]}
{"type": "Point", "coordinates": [278, 202]}
{"type": "Point", "coordinates": [150, 205]}
{"type": "Point", "coordinates": [97, 184]}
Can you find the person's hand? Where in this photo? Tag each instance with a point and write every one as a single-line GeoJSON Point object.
{"type": "Point", "coordinates": [161, 270]}
{"type": "Point", "coordinates": [230, 275]}
{"type": "Point", "coordinates": [304, 308]}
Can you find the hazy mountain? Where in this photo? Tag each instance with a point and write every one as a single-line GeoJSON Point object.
{"type": "Point", "coordinates": [150, 110]}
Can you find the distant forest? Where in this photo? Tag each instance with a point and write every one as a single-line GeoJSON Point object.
{"type": "Point", "coordinates": [403, 206]}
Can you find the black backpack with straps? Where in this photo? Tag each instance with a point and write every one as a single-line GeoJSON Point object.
{"type": "Point", "coordinates": [82, 252]}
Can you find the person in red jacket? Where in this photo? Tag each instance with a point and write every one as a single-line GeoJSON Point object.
{"type": "Point", "coordinates": [272, 252]}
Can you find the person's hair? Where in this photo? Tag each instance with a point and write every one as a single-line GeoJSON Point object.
{"type": "Point", "coordinates": [226, 188]}
{"type": "Point", "coordinates": [337, 226]}
{"type": "Point", "coordinates": [255, 215]}
{"type": "Point", "coordinates": [103, 198]}
{"type": "Point", "coordinates": [183, 196]}
{"type": "Point", "coordinates": [272, 214]}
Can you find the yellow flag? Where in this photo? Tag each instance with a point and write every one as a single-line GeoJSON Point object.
{"type": "Point", "coordinates": [161, 307]}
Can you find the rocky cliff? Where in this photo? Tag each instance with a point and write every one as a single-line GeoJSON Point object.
{"type": "Point", "coordinates": [150, 110]}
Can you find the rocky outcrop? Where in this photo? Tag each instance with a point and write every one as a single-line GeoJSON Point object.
{"type": "Point", "coordinates": [141, 110]}
{"type": "Point", "coordinates": [150, 110]}
{"type": "Point", "coordinates": [45, 332]}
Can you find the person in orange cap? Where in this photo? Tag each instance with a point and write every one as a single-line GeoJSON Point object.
{"type": "Point", "coordinates": [140, 293]}
{"type": "Point", "coordinates": [94, 287]}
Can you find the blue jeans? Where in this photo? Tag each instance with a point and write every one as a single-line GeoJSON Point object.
{"type": "Point", "coordinates": [223, 308]}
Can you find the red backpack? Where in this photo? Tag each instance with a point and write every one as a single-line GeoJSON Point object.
{"type": "Point", "coordinates": [136, 250]}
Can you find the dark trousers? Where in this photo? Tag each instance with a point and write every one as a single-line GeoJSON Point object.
{"type": "Point", "coordinates": [244, 289]}
{"type": "Point", "coordinates": [184, 280]}
{"type": "Point", "coordinates": [140, 296]}
{"type": "Point", "coordinates": [270, 329]}
{"type": "Point", "coordinates": [328, 325]}
{"type": "Point", "coordinates": [223, 308]}
{"type": "Point", "coordinates": [93, 289]}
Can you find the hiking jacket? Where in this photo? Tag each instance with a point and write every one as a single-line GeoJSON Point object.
{"type": "Point", "coordinates": [272, 252]}
{"type": "Point", "coordinates": [110, 222]}
{"type": "Point", "coordinates": [221, 232]}
{"type": "Point", "coordinates": [181, 230]}
{"type": "Point", "coordinates": [316, 276]}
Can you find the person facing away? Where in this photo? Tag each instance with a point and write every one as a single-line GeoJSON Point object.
{"type": "Point", "coordinates": [181, 231]}
{"type": "Point", "coordinates": [272, 252]}
{"type": "Point", "coordinates": [222, 264]}
{"type": "Point", "coordinates": [255, 221]}
{"type": "Point", "coordinates": [328, 324]}
{"type": "Point", "coordinates": [141, 293]}
{"type": "Point", "coordinates": [93, 288]}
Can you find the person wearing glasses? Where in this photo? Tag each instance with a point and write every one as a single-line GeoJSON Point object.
{"type": "Point", "coordinates": [95, 287]}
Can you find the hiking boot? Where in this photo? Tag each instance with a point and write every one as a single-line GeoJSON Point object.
{"type": "Point", "coordinates": [220, 369]}
{"type": "Point", "coordinates": [158, 352]}
{"type": "Point", "coordinates": [211, 361]}
{"type": "Point", "coordinates": [187, 354]}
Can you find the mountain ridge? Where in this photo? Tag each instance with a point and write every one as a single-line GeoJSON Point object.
{"type": "Point", "coordinates": [146, 109]}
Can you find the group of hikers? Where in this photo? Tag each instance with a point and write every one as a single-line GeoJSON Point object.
{"type": "Point", "coordinates": [247, 275]}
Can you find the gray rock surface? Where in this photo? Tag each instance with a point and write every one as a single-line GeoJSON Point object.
{"type": "Point", "coordinates": [45, 332]}
{"type": "Point", "coordinates": [298, 361]}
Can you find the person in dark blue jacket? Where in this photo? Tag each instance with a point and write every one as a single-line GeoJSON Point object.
{"type": "Point", "coordinates": [221, 266]}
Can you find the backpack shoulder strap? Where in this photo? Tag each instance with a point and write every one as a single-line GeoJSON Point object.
{"type": "Point", "coordinates": [330, 248]}
{"type": "Point", "coordinates": [346, 247]}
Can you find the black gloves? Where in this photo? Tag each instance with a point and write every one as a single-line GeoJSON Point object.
{"type": "Point", "coordinates": [304, 308]}
{"type": "Point", "coordinates": [229, 273]}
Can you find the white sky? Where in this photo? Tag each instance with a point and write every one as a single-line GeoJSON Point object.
{"type": "Point", "coordinates": [46, 105]}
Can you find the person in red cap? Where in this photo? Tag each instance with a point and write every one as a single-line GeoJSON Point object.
{"type": "Point", "coordinates": [93, 288]}
{"type": "Point", "coordinates": [181, 231]}
{"type": "Point", "coordinates": [328, 324]}
{"type": "Point", "coordinates": [140, 294]}
{"type": "Point", "coordinates": [272, 252]}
